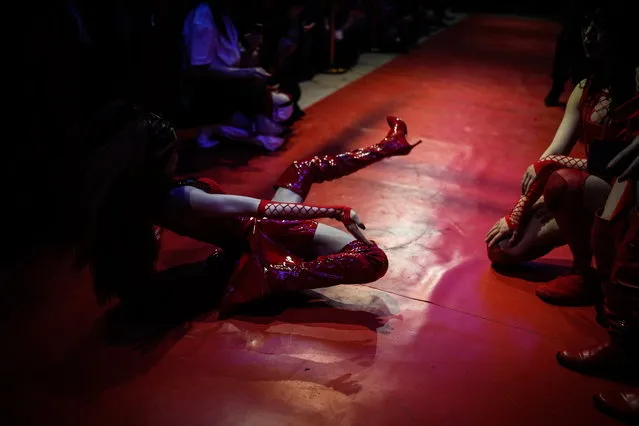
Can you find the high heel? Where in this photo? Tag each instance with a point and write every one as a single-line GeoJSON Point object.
{"type": "Point", "coordinates": [301, 175]}
{"type": "Point", "coordinates": [395, 139]}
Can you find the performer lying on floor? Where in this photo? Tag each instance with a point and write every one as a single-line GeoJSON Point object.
{"type": "Point", "coordinates": [561, 194]}
{"type": "Point", "coordinates": [279, 245]}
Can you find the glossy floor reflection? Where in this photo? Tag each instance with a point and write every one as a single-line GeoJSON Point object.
{"type": "Point", "coordinates": [441, 340]}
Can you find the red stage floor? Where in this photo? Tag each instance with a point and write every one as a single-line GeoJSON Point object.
{"type": "Point", "coordinates": [441, 340]}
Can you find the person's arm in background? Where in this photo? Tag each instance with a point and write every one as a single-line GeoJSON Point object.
{"type": "Point", "coordinates": [203, 46]}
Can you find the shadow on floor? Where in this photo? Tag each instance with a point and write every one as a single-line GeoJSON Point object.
{"type": "Point", "coordinates": [537, 272]}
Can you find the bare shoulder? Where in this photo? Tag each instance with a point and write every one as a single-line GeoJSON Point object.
{"type": "Point", "coordinates": [181, 196]}
{"type": "Point", "coordinates": [579, 87]}
{"type": "Point", "coordinates": [177, 208]}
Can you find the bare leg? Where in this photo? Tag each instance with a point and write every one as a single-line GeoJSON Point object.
{"type": "Point", "coordinates": [542, 234]}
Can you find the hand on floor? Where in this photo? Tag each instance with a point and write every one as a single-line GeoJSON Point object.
{"type": "Point", "coordinates": [498, 232]}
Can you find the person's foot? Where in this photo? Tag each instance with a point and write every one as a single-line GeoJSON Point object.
{"type": "Point", "coordinates": [620, 405]}
{"type": "Point", "coordinates": [609, 359]}
{"type": "Point", "coordinates": [572, 289]}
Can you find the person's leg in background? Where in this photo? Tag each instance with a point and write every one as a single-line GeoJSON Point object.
{"type": "Point", "coordinates": [616, 246]}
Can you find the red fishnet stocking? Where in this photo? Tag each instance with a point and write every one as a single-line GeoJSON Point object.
{"type": "Point", "coordinates": [543, 169]}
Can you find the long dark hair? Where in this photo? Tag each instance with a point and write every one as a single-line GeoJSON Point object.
{"type": "Point", "coordinates": [124, 180]}
{"type": "Point", "coordinates": [615, 70]}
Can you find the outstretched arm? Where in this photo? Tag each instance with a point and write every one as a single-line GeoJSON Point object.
{"type": "Point", "coordinates": [204, 204]}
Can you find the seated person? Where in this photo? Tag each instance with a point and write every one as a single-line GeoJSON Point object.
{"type": "Point", "coordinates": [226, 87]}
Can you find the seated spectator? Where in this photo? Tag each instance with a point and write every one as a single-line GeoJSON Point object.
{"type": "Point", "coordinates": [287, 52]}
{"type": "Point", "coordinates": [225, 86]}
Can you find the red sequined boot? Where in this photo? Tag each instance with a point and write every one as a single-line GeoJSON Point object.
{"type": "Point", "coordinates": [301, 175]}
{"type": "Point", "coordinates": [269, 268]}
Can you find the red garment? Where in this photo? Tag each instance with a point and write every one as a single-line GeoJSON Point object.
{"type": "Point", "coordinates": [276, 255]}
{"type": "Point", "coordinates": [620, 124]}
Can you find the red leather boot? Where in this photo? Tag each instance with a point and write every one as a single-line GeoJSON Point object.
{"type": "Point", "coordinates": [301, 175]}
{"type": "Point", "coordinates": [620, 405]}
{"type": "Point", "coordinates": [269, 268]}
